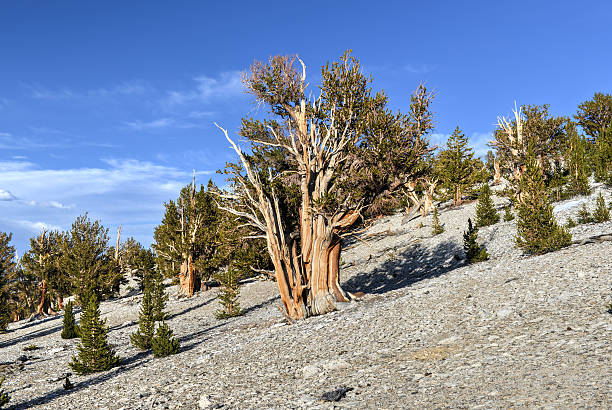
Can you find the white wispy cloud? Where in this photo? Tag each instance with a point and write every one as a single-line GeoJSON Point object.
{"type": "Point", "coordinates": [6, 195]}
{"type": "Point", "coordinates": [147, 125]}
{"type": "Point", "coordinates": [35, 227]}
{"type": "Point", "coordinates": [419, 68]}
{"type": "Point", "coordinates": [10, 141]}
{"type": "Point", "coordinates": [227, 84]}
{"type": "Point", "coordinates": [128, 88]}
{"type": "Point", "coordinates": [479, 141]}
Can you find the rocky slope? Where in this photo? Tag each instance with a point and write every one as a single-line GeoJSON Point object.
{"type": "Point", "coordinates": [431, 332]}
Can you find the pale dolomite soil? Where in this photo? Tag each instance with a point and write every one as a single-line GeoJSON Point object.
{"type": "Point", "coordinates": [514, 331]}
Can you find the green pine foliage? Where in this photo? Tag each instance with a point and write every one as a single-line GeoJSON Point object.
{"type": "Point", "coordinates": [473, 251]}
{"type": "Point", "coordinates": [601, 212]}
{"type": "Point", "coordinates": [570, 223]}
{"type": "Point", "coordinates": [485, 210]}
{"type": "Point", "coordinates": [584, 216]}
{"type": "Point", "coordinates": [508, 215]}
{"type": "Point", "coordinates": [228, 295]}
{"type": "Point", "coordinates": [537, 229]}
{"type": "Point", "coordinates": [70, 329]}
{"type": "Point", "coordinates": [158, 295]}
{"type": "Point", "coordinates": [457, 168]}
{"type": "Point", "coordinates": [4, 396]}
{"type": "Point", "coordinates": [436, 228]}
{"type": "Point", "coordinates": [146, 319]}
{"type": "Point", "coordinates": [7, 267]}
{"type": "Point", "coordinates": [576, 161]}
{"type": "Point", "coordinates": [163, 343]}
{"type": "Point", "coordinates": [94, 352]}
{"type": "Point", "coordinates": [595, 118]}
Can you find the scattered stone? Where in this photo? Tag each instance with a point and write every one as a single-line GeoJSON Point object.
{"type": "Point", "coordinates": [336, 395]}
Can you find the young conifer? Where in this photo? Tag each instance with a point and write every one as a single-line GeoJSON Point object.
{"type": "Point", "coordinates": [576, 159]}
{"type": "Point", "coordinates": [485, 210]}
{"type": "Point", "coordinates": [70, 329]}
{"type": "Point", "coordinates": [601, 212]}
{"type": "Point", "coordinates": [95, 354]}
{"type": "Point", "coordinates": [537, 229]}
{"type": "Point", "coordinates": [158, 295]}
{"type": "Point", "coordinates": [584, 216]}
{"type": "Point", "coordinates": [436, 227]}
{"type": "Point", "coordinates": [4, 396]}
{"type": "Point", "coordinates": [508, 215]}
{"type": "Point", "coordinates": [163, 343]}
{"type": "Point", "coordinates": [228, 295]}
{"type": "Point", "coordinates": [146, 318]}
{"type": "Point", "coordinates": [473, 251]}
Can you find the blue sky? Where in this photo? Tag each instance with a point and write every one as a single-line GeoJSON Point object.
{"type": "Point", "coordinates": [106, 107]}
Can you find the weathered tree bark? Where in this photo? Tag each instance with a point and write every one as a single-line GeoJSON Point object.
{"type": "Point", "coordinates": [497, 176]}
{"type": "Point", "coordinates": [308, 277]}
{"type": "Point", "coordinates": [189, 282]}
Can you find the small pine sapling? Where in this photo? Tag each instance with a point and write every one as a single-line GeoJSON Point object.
{"type": "Point", "coordinates": [570, 223]}
{"type": "Point", "coordinates": [436, 228]}
{"type": "Point", "coordinates": [164, 343]}
{"type": "Point", "coordinates": [4, 396]}
{"type": "Point", "coordinates": [94, 352]}
{"type": "Point", "coordinates": [508, 215]}
{"type": "Point", "coordinates": [158, 296]}
{"type": "Point", "coordinates": [584, 216]}
{"type": "Point", "coordinates": [485, 210]}
{"type": "Point", "coordinates": [601, 212]}
{"type": "Point", "coordinates": [473, 251]}
{"type": "Point", "coordinates": [228, 295]}
{"type": "Point", "coordinates": [146, 320]}
{"type": "Point", "coordinates": [70, 329]}
{"type": "Point", "coordinates": [537, 229]}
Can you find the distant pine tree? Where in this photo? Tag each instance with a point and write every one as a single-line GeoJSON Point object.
{"type": "Point", "coordinates": [537, 230]}
{"type": "Point", "coordinates": [601, 212]}
{"type": "Point", "coordinates": [508, 215]}
{"type": "Point", "coordinates": [158, 296]}
{"type": "Point", "coordinates": [70, 330]}
{"type": "Point", "coordinates": [436, 228]}
{"type": "Point", "coordinates": [146, 319]}
{"type": "Point", "coordinates": [4, 396]}
{"type": "Point", "coordinates": [576, 158]}
{"type": "Point", "coordinates": [228, 295]}
{"type": "Point", "coordinates": [473, 251]}
{"type": "Point", "coordinates": [164, 344]}
{"type": "Point", "coordinates": [457, 168]}
{"type": "Point", "coordinates": [485, 210]}
{"type": "Point", "coordinates": [94, 352]}
{"type": "Point", "coordinates": [7, 266]}
{"type": "Point", "coordinates": [584, 216]}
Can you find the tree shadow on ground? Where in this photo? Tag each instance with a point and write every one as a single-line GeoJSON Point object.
{"type": "Point", "coordinates": [30, 336]}
{"type": "Point", "coordinates": [196, 335]}
{"type": "Point", "coordinates": [126, 365]}
{"type": "Point", "coordinates": [260, 305]}
{"type": "Point", "coordinates": [407, 267]}
{"type": "Point", "coordinates": [191, 308]}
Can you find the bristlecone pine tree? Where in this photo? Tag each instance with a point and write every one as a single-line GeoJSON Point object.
{"type": "Point", "coordinates": [7, 266]}
{"type": "Point", "coordinates": [70, 330]}
{"type": "Point", "coordinates": [228, 295]}
{"type": "Point", "coordinates": [537, 230]}
{"type": "Point", "coordinates": [436, 228]}
{"type": "Point", "coordinates": [584, 216]}
{"type": "Point", "coordinates": [473, 251]}
{"type": "Point", "coordinates": [457, 168]}
{"type": "Point", "coordinates": [485, 210]}
{"type": "Point", "coordinates": [4, 396]}
{"type": "Point", "coordinates": [163, 343]}
{"type": "Point", "coordinates": [146, 319]}
{"type": "Point", "coordinates": [576, 161]}
{"type": "Point", "coordinates": [595, 118]}
{"type": "Point", "coordinates": [95, 354]}
{"type": "Point", "coordinates": [508, 215]}
{"type": "Point", "coordinates": [158, 295]}
{"type": "Point", "coordinates": [601, 212]}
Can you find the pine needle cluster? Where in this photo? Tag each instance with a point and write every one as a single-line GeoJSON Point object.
{"type": "Point", "coordinates": [94, 352]}
{"type": "Point", "coordinates": [601, 212]}
{"type": "Point", "coordinates": [485, 210]}
{"type": "Point", "coordinates": [436, 228]}
{"type": "Point", "coordinates": [152, 310]}
{"type": "Point", "coordinates": [474, 252]}
{"type": "Point", "coordinates": [508, 215]}
{"type": "Point", "coordinates": [4, 396]}
{"type": "Point", "coordinates": [164, 343]}
{"type": "Point", "coordinates": [70, 329]}
{"type": "Point", "coordinates": [537, 229]}
{"type": "Point", "coordinates": [228, 295]}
